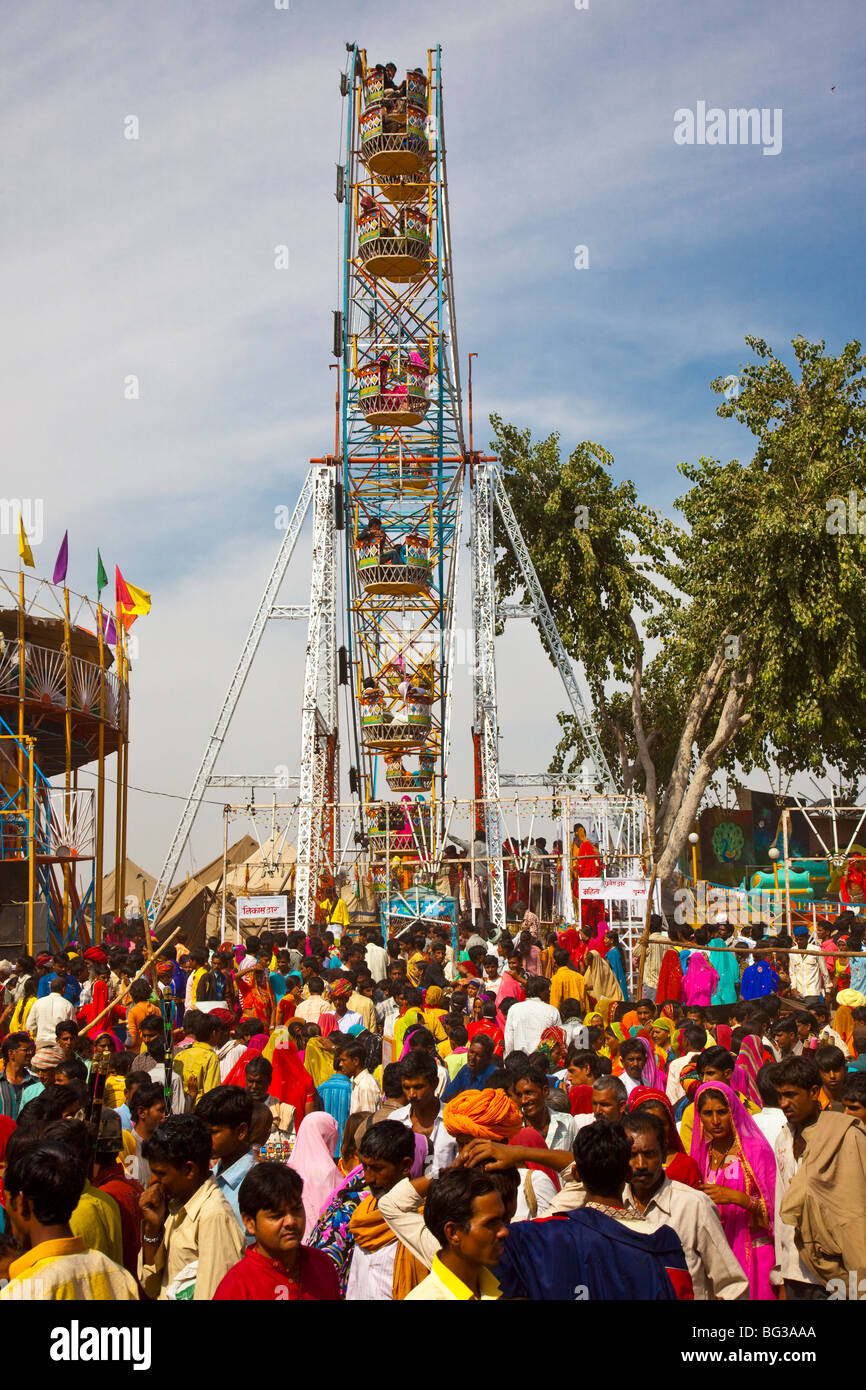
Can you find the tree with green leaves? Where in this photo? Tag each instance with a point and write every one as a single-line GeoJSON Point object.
{"type": "Point", "coordinates": [735, 633]}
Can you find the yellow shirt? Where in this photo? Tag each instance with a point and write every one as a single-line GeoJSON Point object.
{"type": "Point", "coordinates": [66, 1270]}
{"type": "Point", "coordinates": [115, 1092]}
{"type": "Point", "coordinates": [199, 1061]}
{"type": "Point", "coordinates": [20, 1014]}
{"type": "Point", "coordinates": [366, 1008]}
{"type": "Point", "coordinates": [410, 1017]}
{"type": "Point", "coordinates": [96, 1220]}
{"type": "Point", "coordinates": [567, 984]}
{"type": "Point", "coordinates": [196, 981]}
{"type": "Point", "coordinates": [441, 1286]}
{"type": "Point", "coordinates": [415, 968]}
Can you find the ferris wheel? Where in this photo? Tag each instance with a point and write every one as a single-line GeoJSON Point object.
{"type": "Point", "coordinates": [403, 448]}
{"type": "Point", "coordinates": [388, 512]}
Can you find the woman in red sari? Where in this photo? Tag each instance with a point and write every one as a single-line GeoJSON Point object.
{"type": "Point", "coordinates": [670, 985]}
{"type": "Point", "coordinates": [257, 997]}
{"type": "Point", "coordinates": [484, 1021]}
{"type": "Point", "coordinates": [99, 1000]}
{"type": "Point", "coordinates": [679, 1167]}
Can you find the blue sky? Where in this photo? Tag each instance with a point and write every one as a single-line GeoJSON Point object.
{"type": "Point", "coordinates": [155, 257]}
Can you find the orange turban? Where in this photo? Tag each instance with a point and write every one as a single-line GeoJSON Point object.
{"type": "Point", "coordinates": [482, 1115]}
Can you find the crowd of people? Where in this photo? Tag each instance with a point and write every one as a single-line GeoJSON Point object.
{"type": "Point", "coordinates": [439, 1116]}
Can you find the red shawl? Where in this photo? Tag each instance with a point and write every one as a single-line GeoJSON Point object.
{"type": "Point", "coordinates": [292, 1083]}
{"type": "Point", "coordinates": [98, 1004]}
{"type": "Point", "coordinates": [580, 1098]}
{"type": "Point", "coordinates": [670, 983]}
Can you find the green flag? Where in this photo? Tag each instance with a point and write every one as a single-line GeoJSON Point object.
{"type": "Point", "coordinates": [101, 576]}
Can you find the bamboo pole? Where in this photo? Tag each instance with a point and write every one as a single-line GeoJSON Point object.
{"type": "Point", "coordinates": [118, 800]}
{"type": "Point", "coordinates": [225, 871]}
{"type": "Point", "coordinates": [31, 849]}
{"type": "Point", "coordinates": [124, 992]}
{"type": "Point", "coordinates": [67, 781]}
{"type": "Point", "coordinates": [644, 941]}
{"type": "Point", "coordinates": [787, 859]}
{"type": "Point", "coordinates": [125, 770]}
{"type": "Point", "coordinates": [21, 685]}
{"type": "Point", "coordinates": [100, 789]}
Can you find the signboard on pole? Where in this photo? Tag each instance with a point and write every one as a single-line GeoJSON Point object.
{"type": "Point", "coordinates": [608, 890]}
{"type": "Point", "coordinates": [270, 909]}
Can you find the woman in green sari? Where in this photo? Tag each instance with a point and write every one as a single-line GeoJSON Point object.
{"type": "Point", "coordinates": [727, 966]}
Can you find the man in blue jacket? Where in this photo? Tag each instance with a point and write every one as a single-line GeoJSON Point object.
{"type": "Point", "coordinates": [602, 1250]}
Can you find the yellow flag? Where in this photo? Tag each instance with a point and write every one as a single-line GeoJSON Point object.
{"type": "Point", "coordinates": [24, 550]}
{"type": "Point", "coordinates": [140, 600]}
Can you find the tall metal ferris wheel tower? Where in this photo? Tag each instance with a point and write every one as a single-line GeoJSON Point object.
{"type": "Point", "coordinates": [388, 524]}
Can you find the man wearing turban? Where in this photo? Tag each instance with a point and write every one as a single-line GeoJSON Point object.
{"type": "Point", "coordinates": [340, 992]}
{"type": "Point", "coordinates": [482, 1115]}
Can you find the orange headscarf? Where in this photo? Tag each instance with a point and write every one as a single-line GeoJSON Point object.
{"type": "Point", "coordinates": [482, 1115]}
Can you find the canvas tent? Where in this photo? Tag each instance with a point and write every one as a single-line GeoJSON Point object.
{"type": "Point", "coordinates": [251, 870]}
{"type": "Point", "coordinates": [138, 887]}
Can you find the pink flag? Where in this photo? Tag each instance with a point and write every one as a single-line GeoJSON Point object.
{"type": "Point", "coordinates": [62, 560]}
{"type": "Point", "coordinates": [109, 631]}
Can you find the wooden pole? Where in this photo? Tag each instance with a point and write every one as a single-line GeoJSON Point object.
{"type": "Point", "coordinates": [125, 773]}
{"type": "Point", "coordinates": [124, 992]}
{"type": "Point", "coordinates": [31, 848]}
{"type": "Point", "coordinates": [786, 855]}
{"type": "Point", "coordinates": [67, 800]}
{"type": "Point", "coordinates": [118, 803]}
{"type": "Point", "coordinates": [225, 871]}
{"type": "Point", "coordinates": [100, 788]}
{"type": "Point", "coordinates": [21, 685]}
{"type": "Point", "coordinates": [644, 941]}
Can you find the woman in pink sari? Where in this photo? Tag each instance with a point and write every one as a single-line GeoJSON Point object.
{"type": "Point", "coordinates": [509, 987]}
{"type": "Point", "coordinates": [699, 981]}
{"type": "Point", "coordinates": [313, 1160]}
{"type": "Point", "coordinates": [744, 1079]}
{"type": "Point", "coordinates": [739, 1172]}
{"type": "Point", "coordinates": [652, 1075]}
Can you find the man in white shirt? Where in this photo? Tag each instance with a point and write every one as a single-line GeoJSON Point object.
{"type": "Point", "coordinates": [715, 1271]}
{"type": "Point", "coordinates": [311, 1009]}
{"type": "Point", "coordinates": [770, 1119]}
{"type": "Point", "coordinates": [365, 1090]}
{"type": "Point", "coordinates": [527, 1021]}
{"type": "Point", "coordinates": [804, 971]}
{"type": "Point", "coordinates": [556, 1129]}
{"type": "Point", "coordinates": [47, 1012]}
{"type": "Point", "coordinates": [827, 1036]}
{"type": "Point", "coordinates": [658, 943]}
{"type": "Point", "coordinates": [377, 957]}
{"type": "Point", "coordinates": [423, 1113]}
{"type": "Point", "coordinates": [695, 1040]}
{"type": "Point", "coordinates": [634, 1059]}
{"type": "Point", "coordinates": [387, 1154]}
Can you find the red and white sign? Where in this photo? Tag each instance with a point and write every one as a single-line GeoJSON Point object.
{"type": "Point", "coordinates": [609, 890]}
{"type": "Point", "coordinates": [268, 909]}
